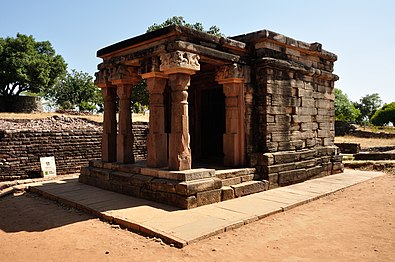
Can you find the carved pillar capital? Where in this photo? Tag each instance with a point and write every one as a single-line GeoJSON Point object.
{"type": "Point", "coordinates": [179, 62]}
{"type": "Point", "coordinates": [122, 74]}
{"type": "Point", "coordinates": [233, 73]}
{"type": "Point", "coordinates": [102, 78]}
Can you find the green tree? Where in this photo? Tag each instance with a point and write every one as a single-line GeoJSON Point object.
{"type": "Point", "coordinates": [76, 90]}
{"type": "Point", "coordinates": [28, 66]}
{"type": "Point", "coordinates": [384, 115]}
{"type": "Point", "coordinates": [344, 109]}
{"type": "Point", "coordinates": [140, 98]}
{"type": "Point", "coordinates": [368, 105]}
{"type": "Point", "coordinates": [179, 20]}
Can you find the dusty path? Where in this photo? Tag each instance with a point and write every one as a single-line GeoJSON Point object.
{"type": "Point", "coordinates": [356, 224]}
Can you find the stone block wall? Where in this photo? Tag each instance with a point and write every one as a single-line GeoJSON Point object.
{"type": "Point", "coordinates": [20, 150]}
{"type": "Point", "coordinates": [290, 110]}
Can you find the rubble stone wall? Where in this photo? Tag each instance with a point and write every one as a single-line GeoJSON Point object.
{"type": "Point", "coordinates": [20, 150]}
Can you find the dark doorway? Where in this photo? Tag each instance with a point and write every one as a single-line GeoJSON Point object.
{"type": "Point", "coordinates": [212, 123]}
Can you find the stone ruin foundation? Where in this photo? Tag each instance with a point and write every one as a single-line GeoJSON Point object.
{"type": "Point", "coordinates": [228, 116]}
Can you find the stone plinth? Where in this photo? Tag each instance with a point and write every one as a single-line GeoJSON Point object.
{"type": "Point", "coordinates": [184, 189]}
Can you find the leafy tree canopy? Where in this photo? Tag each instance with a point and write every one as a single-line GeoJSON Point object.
{"type": "Point", "coordinates": [27, 65]}
{"type": "Point", "coordinates": [76, 90]}
{"type": "Point", "coordinates": [368, 105]}
{"type": "Point", "coordinates": [384, 115]}
{"type": "Point", "coordinates": [179, 20]}
{"type": "Point", "coordinates": [344, 109]}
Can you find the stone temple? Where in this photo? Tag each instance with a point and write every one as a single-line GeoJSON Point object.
{"type": "Point", "coordinates": [228, 116]}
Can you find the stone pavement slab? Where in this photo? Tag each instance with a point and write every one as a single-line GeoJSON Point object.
{"type": "Point", "coordinates": [182, 227]}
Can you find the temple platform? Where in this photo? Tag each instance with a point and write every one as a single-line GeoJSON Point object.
{"type": "Point", "coordinates": [182, 227]}
{"type": "Point", "coordinates": [184, 189]}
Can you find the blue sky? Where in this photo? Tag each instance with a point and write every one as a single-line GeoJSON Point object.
{"type": "Point", "coordinates": [361, 33]}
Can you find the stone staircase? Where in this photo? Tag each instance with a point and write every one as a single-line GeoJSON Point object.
{"type": "Point", "coordinates": [185, 189]}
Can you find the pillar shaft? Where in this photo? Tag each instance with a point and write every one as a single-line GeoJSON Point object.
{"type": "Point", "coordinates": [179, 149]}
{"type": "Point", "coordinates": [157, 138]}
{"type": "Point", "coordinates": [125, 135]}
{"type": "Point", "coordinates": [109, 136]}
{"type": "Point", "coordinates": [234, 134]}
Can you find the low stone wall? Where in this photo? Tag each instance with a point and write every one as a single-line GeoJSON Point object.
{"type": "Point", "coordinates": [20, 150]}
{"type": "Point", "coordinates": [21, 104]}
{"type": "Point", "coordinates": [349, 148]}
{"type": "Point", "coordinates": [367, 134]}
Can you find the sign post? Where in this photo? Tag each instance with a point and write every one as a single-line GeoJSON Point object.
{"type": "Point", "coordinates": [48, 166]}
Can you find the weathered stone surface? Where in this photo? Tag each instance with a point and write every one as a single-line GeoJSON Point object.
{"type": "Point", "coordinates": [164, 185]}
{"type": "Point", "coordinates": [279, 168]}
{"type": "Point", "coordinates": [185, 175]}
{"type": "Point", "coordinates": [127, 168]}
{"type": "Point", "coordinates": [209, 197]}
{"type": "Point", "coordinates": [188, 188]}
{"type": "Point", "coordinates": [231, 173]}
{"type": "Point", "coordinates": [305, 163]}
{"type": "Point", "coordinates": [231, 181]}
{"type": "Point", "coordinates": [101, 174]}
{"type": "Point", "coordinates": [292, 176]}
{"type": "Point", "coordinates": [120, 177]}
{"type": "Point", "coordinates": [247, 188]}
{"type": "Point", "coordinates": [307, 154]}
{"type": "Point", "coordinates": [247, 178]}
{"type": "Point", "coordinates": [130, 190]}
{"type": "Point", "coordinates": [286, 157]}
{"type": "Point", "coordinates": [85, 171]}
{"type": "Point", "coordinates": [141, 181]}
{"type": "Point", "coordinates": [227, 193]}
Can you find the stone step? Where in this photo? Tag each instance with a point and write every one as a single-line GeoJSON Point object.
{"type": "Point", "coordinates": [237, 172]}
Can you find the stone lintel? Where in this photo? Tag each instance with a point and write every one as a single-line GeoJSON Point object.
{"type": "Point", "coordinates": [179, 70]}
{"type": "Point", "coordinates": [154, 75]}
{"type": "Point", "coordinates": [233, 80]}
{"type": "Point", "coordinates": [207, 52]}
{"type": "Point", "coordinates": [119, 82]}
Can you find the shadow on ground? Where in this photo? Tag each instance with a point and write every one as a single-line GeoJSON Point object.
{"type": "Point", "coordinates": [32, 213]}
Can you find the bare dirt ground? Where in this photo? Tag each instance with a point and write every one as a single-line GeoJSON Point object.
{"type": "Point", "coordinates": [355, 224]}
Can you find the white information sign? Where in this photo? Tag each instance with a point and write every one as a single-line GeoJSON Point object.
{"type": "Point", "coordinates": [48, 166]}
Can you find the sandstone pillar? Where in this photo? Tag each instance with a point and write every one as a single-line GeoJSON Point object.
{"type": "Point", "coordinates": [109, 137]}
{"type": "Point", "coordinates": [231, 78]}
{"type": "Point", "coordinates": [179, 149]}
{"type": "Point", "coordinates": [124, 78]}
{"type": "Point", "coordinates": [157, 138]}
{"type": "Point", "coordinates": [125, 135]}
{"type": "Point", "coordinates": [179, 66]}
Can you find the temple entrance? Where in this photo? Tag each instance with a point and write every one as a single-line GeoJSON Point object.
{"type": "Point", "coordinates": [212, 119]}
{"type": "Point", "coordinates": [207, 124]}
